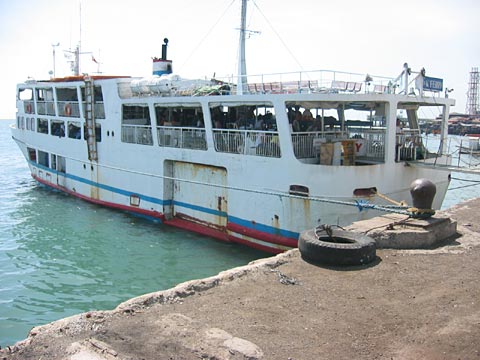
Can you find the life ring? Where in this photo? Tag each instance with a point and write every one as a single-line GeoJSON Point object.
{"type": "Point", "coordinates": [336, 247]}
{"type": "Point", "coordinates": [67, 109]}
{"type": "Point", "coordinates": [29, 108]}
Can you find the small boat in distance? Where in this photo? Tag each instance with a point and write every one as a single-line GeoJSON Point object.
{"type": "Point", "coordinates": [470, 144]}
{"type": "Point", "coordinates": [253, 161]}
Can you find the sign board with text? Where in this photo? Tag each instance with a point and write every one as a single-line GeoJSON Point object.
{"type": "Point", "coordinates": [432, 84]}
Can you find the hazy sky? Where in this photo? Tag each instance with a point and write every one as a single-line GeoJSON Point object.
{"type": "Point", "coordinates": [362, 36]}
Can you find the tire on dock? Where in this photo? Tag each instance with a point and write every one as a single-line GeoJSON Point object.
{"type": "Point", "coordinates": [336, 247]}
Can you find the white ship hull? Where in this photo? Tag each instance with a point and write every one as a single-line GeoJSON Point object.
{"type": "Point", "coordinates": [114, 148]}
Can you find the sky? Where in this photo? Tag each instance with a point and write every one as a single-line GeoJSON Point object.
{"type": "Point", "coordinates": [367, 36]}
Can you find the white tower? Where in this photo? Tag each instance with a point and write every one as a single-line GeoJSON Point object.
{"type": "Point", "coordinates": [472, 94]}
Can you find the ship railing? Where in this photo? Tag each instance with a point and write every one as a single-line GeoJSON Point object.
{"type": "Point", "coordinates": [98, 109]}
{"type": "Point", "coordinates": [182, 137]}
{"type": "Point", "coordinates": [306, 145]}
{"type": "Point", "coordinates": [46, 108]}
{"type": "Point", "coordinates": [247, 142]}
{"type": "Point", "coordinates": [409, 145]}
{"type": "Point", "coordinates": [29, 107]}
{"type": "Point", "coordinates": [137, 134]}
{"type": "Point", "coordinates": [329, 81]}
{"type": "Point", "coordinates": [68, 108]}
{"type": "Point", "coordinates": [319, 81]}
{"type": "Point", "coordinates": [369, 143]}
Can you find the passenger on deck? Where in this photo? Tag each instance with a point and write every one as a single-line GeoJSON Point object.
{"type": "Point", "coordinates": [398, 140]}
{"type": "Point", "coordinates": [296, 122]}
{"type": "Point", "coordinates": [316, 125]}
{"type": "Point", "coordinates": [307, 115]}
{"type": "Point", "coordinates": [291, 114]}
{"type": "Point", "coordinates": [399, 126]}
{"type": "Point", "coordinates": [259, 123]}
{"type": "Point", "coordinates": [217, 116]}
{"type": "Point", "coordinates": [162, 119]}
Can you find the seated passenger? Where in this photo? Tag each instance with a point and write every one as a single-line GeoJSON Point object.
{"type": "Point", "coordinates": [259, 123]}
{"type": "Point", "coordinates": [316, 125]}
{"type": "Point", "coordinates": [296, 122]}
{"type": "Point", "coordinates": [307, 115]}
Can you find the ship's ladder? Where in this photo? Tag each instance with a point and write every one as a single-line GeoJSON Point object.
{"type": "Point", "coordinates": [90, 119]}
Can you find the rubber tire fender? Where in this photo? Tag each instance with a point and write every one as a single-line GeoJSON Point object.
{"type": "Point", "coordinates": [357, 249]}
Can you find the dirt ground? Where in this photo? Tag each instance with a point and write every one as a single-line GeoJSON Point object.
{"type": "Point", "coordinates": [409, 304]}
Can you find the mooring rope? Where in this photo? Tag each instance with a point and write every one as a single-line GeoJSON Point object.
{"type": "Point", "coordinates": [359, 204]}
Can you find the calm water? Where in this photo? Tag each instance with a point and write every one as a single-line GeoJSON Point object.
{"type": "Point", "coordinates": [60, 256]}
{"type": "Point", "coordinates": [463, 186]}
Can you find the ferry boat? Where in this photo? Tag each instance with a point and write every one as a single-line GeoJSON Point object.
{"type": "Point", "coordinates": [253, 160]}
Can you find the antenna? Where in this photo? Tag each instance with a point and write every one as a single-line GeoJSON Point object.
{"type": "Point", "coordinates": [75, 63]}
{"type": "Point", "coordinates": [79, 47]}
{"type": "Point", "coordinates": [53, 48]}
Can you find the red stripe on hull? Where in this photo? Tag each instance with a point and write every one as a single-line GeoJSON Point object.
{"type": "Point", "coordinates": [257, 246]}
{"type": "Point", "coordinates": [263, 236]}
{"type": "Point", "coordinates": [198, 228]}
{"type": "Point", "coordinates": [153, 214]}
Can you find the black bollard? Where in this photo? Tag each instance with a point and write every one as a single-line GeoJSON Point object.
{"type": "Point", "coordinates": [423, 192]}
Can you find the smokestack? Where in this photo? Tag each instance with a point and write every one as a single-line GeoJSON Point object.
{"type": "Point", "coordinates": [164, 49]}
{"type": "Point", "coordinates": [162, 66]}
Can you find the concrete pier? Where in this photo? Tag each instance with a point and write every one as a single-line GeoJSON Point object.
{"type": "Point", "coordinates": [408, 304]}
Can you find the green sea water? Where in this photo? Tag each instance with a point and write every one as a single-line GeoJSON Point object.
{"type": "Point", "coordinates": [61, 256]}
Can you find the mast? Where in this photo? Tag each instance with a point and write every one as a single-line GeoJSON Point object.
{"type": "Point", "coordinates": [79, 47]}
{"type": "Point", "coordinates": [242, 66]}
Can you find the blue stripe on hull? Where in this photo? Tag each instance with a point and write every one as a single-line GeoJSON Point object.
{"type": "Point", "coordinates": [232, 219]}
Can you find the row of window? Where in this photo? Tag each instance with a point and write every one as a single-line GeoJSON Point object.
{"type": "Point", "coordinates": [183, 126]}
{"type": "Point", "coordinates": [41, 101]}
{"type": "Point", "coordinates": [246, 117]}
{"type": "Point", "coordinates": [52, 161]}
{"type": "Point", "coordinates": [63, 94]}
{"type": "Point", "coordinates": [72, 130]}
{"type": "Point", "coordinates": [249, 129]}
